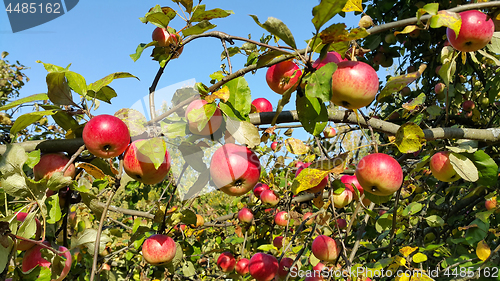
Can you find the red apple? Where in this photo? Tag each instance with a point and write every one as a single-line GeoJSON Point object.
{"type": "Point", "coordinates": [245, 215]}
{"type": "Point", "coordinates": [51, 163]}
{"type": "Point", "coordinates": [269, 197]}
{"type": "Point", "coordinates": [33, 257]}
{"type": "Point", "coordinates": [321, 185]}
{"type": "Point", "coordinates": [263, 267]}
{"type": "Point", "coordinates": [349, 181]}
{"type": "Point", "coordinates": [306, 216]}
{"type": "Point", "coordinates": [439, 88]}
{"type": "Point", "coordinates": [341, 223]}
{"type": "Point", "coordinates": [106, 136]}
{"type": "Point", "coordinates": [166, 39]}
{"type": "Point", "coordinates": [354, 84]}
{"type": "Point", "coordinates": [158, 249]}
{"type": "Point", "coordinates": [343, 199]}
{"type": "Point", "coordinates": [258, 188]}
{"type": "Point", "coordinates": [281, 218]}
{"type": "Point", "coordinates": [441, 167]}
{"type": "Point", "coordinates": [318, 271]}
{"type": "Point", "coordinates": [226, 262]}
{"type": "Point", "coordinates": [278, 242]}
{"type": "Point", "coordinates": [379, 174]}
{"type": "Point", "coordinates": [139, 167]}
{"type": "Point", "coordinates": [235, 169]}
{"type": "Point", "coordinates": [330, 57]}
{"type": "Point", "coordinates": [261, 105]}
{"type": "Point", "coordinates": [490, 204]}
{"type": "Point", "coordinates": [475, 32]}
{"type": "Point", "coordinates": [329, 132]}
{"type": "Point", "coordinates": [211, 126]}
{"type": "Point", "coordinates": [285, 266]}
{"type": "Point", "coordinates": [282, 76]}
{"type": "Point", "coordinates": [325, 248]}
{"type": "Point", "coordinates": [242, 266]}
{"type": "Point", "coordinates": [381, 212]}
{"type": "Point", "coordinates": [25, 245]}
{"type": "Point", "coordinates": [468, 105]}
{"type": "Point", "coordinates": [274, 146]}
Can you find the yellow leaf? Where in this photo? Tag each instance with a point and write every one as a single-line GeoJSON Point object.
{"type": "Point", "coordinates": [419, 257]}
{"type": "Point", "coordinates": [400, 260]}
{"type": "Point", "coordinates": [353, 6]}
{"type": "Point", "coordinates": [420, 276]}
{"type": "Point", "coordinates": [318, 201]}
{"type": "Point", "coordinates": [296, 146]}
{"type": "Point", "coordinates": [483, 250]}
{"type": "Point", "coordinates": [222, 94]}
{"type": "Point", "coordinates": [406, 251]}
{"type": "Point", "coordinates": [91, 170]}
{"type": "Point", "coordinates": [403, 277]}
{"type": "Point", "coordinates": [408, 29]}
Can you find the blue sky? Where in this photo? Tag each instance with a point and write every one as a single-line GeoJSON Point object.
{"type": "Point", "coordinates": [97, 37]}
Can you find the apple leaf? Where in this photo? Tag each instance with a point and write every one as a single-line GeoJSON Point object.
{"type": "Point", "coordinates": [193, 155]}
{"type": "Point", "coordinates": [87, 239]}
{"type": "Point", "coordinates": [200, 14]}
{"type": "Point", "coordinates": [105, 94]}
{"type": "Point", "coordinates": [409, 138]}
{"type": "Point", "coordinates": [59, 91]}
{"type": "Point", "coordinates": [414, 103]}
{"type": "Point", "coordinates": [412, 209]}
{"type": "Point", "coordinates": [13, 159]}
{"type": "Point", "coordinates": [377, 199]}
{"type": "Point", "coordinates": [15, 185]}
{"type": "Point", "coordinates": [76, 82]}
{"type": "Point", "coordinates": [199, 28]}
{"type": "Point", "coordinates": [434, 221]}
{"type": "Point", "coordinates": [222, 94]}
{"type": "Point", "coordinates": [431, 8]}
{"type": "Point", "coordinates": [154, 149]}
{"type": "Point", "coordinates": [58, 181]}
{"type": "Point", "coordinates": [53, 68]}
{"type": "Point", "coordinates": [486, 166]}
{"type": "Point", "coordinates": [485, 54]}
{"type": "Point", "coordinates": [188, 269]}
{"type": "Point", "coordinates": [53, 209]}
{"type": "Point", "coordinates": [243, 131]}
{"type": "Point", "coordinates": [277, 28]}
{"type": "Point", "coordinates": [202, 115]}
{"type": "Point", "coordinates": [396, 84]}
{"type": "Point", "coordinates": [353, 6]}
{"type": "Point", "coordinates": [4, 253]}
{"type": "Point", "coordinates": [91, 170]}
{"type": "Point", "coordinates": [448, 59]}
{"type": "Point", "coordinates": [468, 146]}
{"type": "Point", "coordinates": [188, 217]}
{"type": "Point", "coordinates": [99, 84]}
{"type": "Point", "coordinates": [337, 33]}
{"type": "Point", "coordinates": [140, 48]}
{"type": "Point", "coordinates": [307, 179]}
{"type": "Point", "coordinates": [383, 223]}
{"type": "Point", "coordinates": [188, 4]}
{"type": "Point", "coordinates": [159, 16]}
{"type": "Point", "coordinates": [268, 57]}
{"type": "Point", "coordinates": [240, 99]}
{"type": "Point", "coordinates": [173, 129]}
{"type": "Point", "coordinates": [33, 158]}
{"type": "Point", "coordinates": [464, 167]}
{"type": "Point", "coordinates": [31, 98]}
{"type": "Point", "coordinates": [406, 30]}
{"type": "Point", "coordinates": [135, 120]}
{"type": "Point", "coordinates": [296, 146]}
{"type": "Point", "coordinates": [483, 250]}
{"type": "Point", "coordinates": [448, 19]}
{"type": "Point", "coordinates": [27, 119]}
{"type": "Point", "coordinates": [419, 258]}
{"type": "Point", "coordinates": [312, 113]}
{"type": "Point", "coordinates": [494, 45]}
{"type": "Point", "coordinates": [319, 83]}
{"type": "Point", "coordinates": [27, 229]}
{"type": "Point", "coordinates": [326, 10]}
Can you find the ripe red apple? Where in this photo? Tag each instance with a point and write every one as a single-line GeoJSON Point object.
{"type": "Point", "coordinates": [51, 163]}
{"type": "Point", "coordinates": [285, 266]}
{"type": "Point", "coordinates": [269, 197]}
{"type": "Point", "coordinates": [441, 167]}
{"type": "Point", "coordinates": [306, 216]}
{"type": "Point", "coordinates": [166, 39]}
{"type": "Point", "coordinates": [25, 245]}
{"type": "Point", "coordinates": [211, 126]}
{"type": "Point", "coordinates": [274, 146]}
{"type": "Point", "coordinates": [343, 199]}
{"type": "Point", "coordinates": [341, 223]}
{"type": "Point", "coordinates": [106, 136]}
{"type": "Point", "coordinates": [158, 249]}
{"type": "Point", "coordinates": [329, 132]}
{"type": "Point", "coordinates": [259, 187]}
{"type": "Point", "coordinates": [475, 33]}
{"type": "Point", "coordinates": [263, 267]}
{"type": "Point", "coordinates": [278, 242]}
{"type": "Point", "coordinates": [319, 270]}
{"type": "Point", "coordinates": [354, 84]}
{"type": "Point", "coordinates": [226, 262]}
{"type": "Point", "coordinates": [261, 105]}
{"type": "Point", "coordinates": [325, 248]}
{"type": "Point", "coordinates": [349, 181]}
{"type": "Point", "coordinates": [379, 174]}
{"type": "Point", "coordinates": [330, 57]}
{"type": "Point", "coordinates": [245, 215]}
{"type": "Point", "coordinates": [242, 266]}
{"type": "Point", "coordinates": [490, 204]}
{"type": "Point", "coordinates": [281, 218]}
{"type": "Point", "coordinates": [33, 257]}
{"type": "Point", "coordinates": [468, 105]}
{"type": "Point", "coordinates": [282, 76]}
{"type": "Point", "coordinates": [321, 185]}
{"type": "Point", "coordinates": [235, 169]}
{"type": "Point", "coordinates": [139, 167]}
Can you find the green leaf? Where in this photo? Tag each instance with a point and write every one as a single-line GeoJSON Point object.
{"type": "Point", "coordinates": [31, 98]}
{"type": "Point", "coordinates": [312, 113]}
{"type": "Point", "coordinates": [135, 121]}
{"type": "Point", "coordinates": [87, 238]}
{"type": "Point", "coordinates": [477, 231]}
{"type": "Point", "coordinates": [383, 223]}
{"type": "Point", "coordinates": [193, 155]}
{"type": "Point", "coordinates": [266, 247]}
{"type": "Point", "coordinates": [319, 83]}
{"type": "Point", "coordinates": [174, 129]}
{"type": "Point", "coordinates": [188, 269]}
{"type": "Point", "coordinates": [486, 166]}
{"type": "Point", "coordinates": [409, 138]}
{"type": "Point", "coordinates": [485, 54]}
{"type": "Point", "coordinates": [277, 28]}
{"type": "Point", "coordinates": [59, 91]}
{"type": "Point", "coordinates": [449, 66]}
{"type": "Point", "coordinates": [33, 158]}
{"type": "Point", "coordinates": [464, 167]}
{"type": "Point", "coordinates": [15, 185]}
{"type": "Point", "coordinates": [396, 84]}
{"type": "Point", "coordinates": [326, 10]}
{"type": "Point", "coordinates": [105, 94]}
{"type": "Point", "coordinates": [494, 45]}
{"type": "Point", "coordinates": [434, 221]}
{"type": "Point", "coordinates": [188, 4]}
{"type": "Point", "coordinates": [27, 119]}
{"type": "Point", "coordinates": [58, 181]}
{"type": "Point", "coordinates": [4, 254]}
{"type": "Point", "coordinates": [13, 159]}
{"type": "Point", "coordinates": [202, 115]}
{"type": "Point", "coordinates": [240, 99]}
{"type": "Point", "coordinates": [53, 209]}
{"type": "Point", "coordinates": [159, 16]}
{"type": "Point", "coordinates": [99, 84]}
{"type": "Point", "coordinates": [338, 33]}
{"type": "Point", "coordinates": [412, 209]}
{"type": "Point", "coordinates": [28, 226]}
{"type": "Point", "coordinates": [140, 48]}
{"type": "Point", "coordinates": [153, 149]}
{"type": "Point", "coordinates": [200, 14]}
{"type": "Point", "coordinates": [268, 57]}
{"type": "Point", "coordinates": [431, 8]}
{"type": "Point", "coordinates": [243, 132]}
{"type": "Point", "coordinates": [378, 199]}
{"type": "Point", "coordinates": [53, 68]}
{"type": "Point", "coordinates": [448, 19]}
{"type": "Point", "coordinates": [188, 217]}
{"type": "Point", "coordinates": [199, 28]}
{"type": "Point", "coordinates": [76, 82]}
{"type": "Point", "coordinates": [62, 117]}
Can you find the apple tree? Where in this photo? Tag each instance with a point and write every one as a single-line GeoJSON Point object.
{"type": "Point", "coordinates": [218, 186]}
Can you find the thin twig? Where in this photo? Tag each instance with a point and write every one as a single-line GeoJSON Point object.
{"type": "Point", "coordinates": [227, 55]}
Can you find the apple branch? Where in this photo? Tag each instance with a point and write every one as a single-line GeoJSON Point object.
{"type": "Point", "coordinates": [227, 56]}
